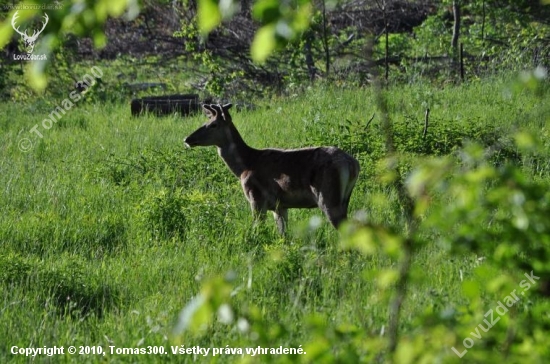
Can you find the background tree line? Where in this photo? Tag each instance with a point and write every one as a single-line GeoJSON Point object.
{"type": "Point", "coordinates": [301, 41]}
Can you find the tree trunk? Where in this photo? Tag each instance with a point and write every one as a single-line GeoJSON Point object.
{"type": "Point", "coordinates": [325, 40]}
{"type": "Point", "coordinates": [386, 50]}
{"type": "Point", "coordinates": [309, 57]}
{"type": "Point", "coordinates": [483, 25]}
{"type": "Point", "coordinates": [456, 26]}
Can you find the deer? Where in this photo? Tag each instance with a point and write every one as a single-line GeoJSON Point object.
{"type": "Point", "coordinates": [29, 40]}
{"type": "Point", "coordinates": [279, 179]}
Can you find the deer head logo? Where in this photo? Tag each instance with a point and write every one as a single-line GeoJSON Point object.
{"type": "Point", "coordinates": [29, 40]}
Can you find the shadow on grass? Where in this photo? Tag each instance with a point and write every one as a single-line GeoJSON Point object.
{"type": "Point", "coordinates": [65, 285]}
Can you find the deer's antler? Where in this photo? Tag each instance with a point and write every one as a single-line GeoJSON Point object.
{"type": "Point", "coordinates": [34, 33]}
{"type": "Point", "coordinates": [25, 35]}
{"type": "Point", "coordinates": [44, 23]}
{"type": "Point", "coordinates": [15, 16]}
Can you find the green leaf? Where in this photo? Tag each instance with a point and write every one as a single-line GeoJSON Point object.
{"type": "Point", "coordinates": [318, 350]}
{"type": "Point", "coordinates": [6, 31]}
{"type": "Point", "coordinates": [302, 17]}
{"type": "Point", "coordinates": [37, 76]}
{"type": "Point", "coordinates": [116, 8]}
{"type": "Point", "coordinates": [264, 43]}
{"type": "Point", "coordinates": [527, 141]}
{"type": "Point", "coordinates": [405, 353]}
{"type": "Point", "coordinates": [101, 10]}
{"type": "Point", "coordinates": [362, 239]}
{"type": "Point", "coordinates": [209, 15]}
{"type": "Point", "coordinates": [470, 289]}
{"type": "Point", "coordinates": [387, 277]}
{"type": "Point", "coordinates": [100, 40]}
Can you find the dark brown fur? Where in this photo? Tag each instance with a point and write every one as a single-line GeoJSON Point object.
{"type": "Point", "coordinates": [279, 179]}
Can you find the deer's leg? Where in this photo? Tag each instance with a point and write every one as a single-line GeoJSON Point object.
{"type": "Point", "coordinates": [335, 190]}
{"type": "Point", "coordinates": [354, 173]}
{"type": "Point", "coordinates": [258, 211]}
{"type": "Point", "coordinates": [333, 207]}
{"type": "Point", "coordinates": [347, 196]}
{"type": "Point", "coordinates": [257, 204]}
{"type": "Point", "coordinates": [281, 218]}
{"type": "Point", "coordinates": [331, 197]}
{"type": "Point", "coordinates": [335, 214]}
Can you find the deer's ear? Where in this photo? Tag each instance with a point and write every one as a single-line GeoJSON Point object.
{"type": "Point", "coordinates": [227, 106]}
{"type": "Point", "coordinates": [208, 110]}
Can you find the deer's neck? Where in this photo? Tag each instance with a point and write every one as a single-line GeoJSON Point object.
{"type": "Point", "coordinates": [236, 153]}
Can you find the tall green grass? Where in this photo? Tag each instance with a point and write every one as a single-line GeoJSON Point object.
{"type": "Point", "coordinates": [109, 226]}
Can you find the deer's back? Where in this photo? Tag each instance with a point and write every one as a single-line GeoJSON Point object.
{"type": "Point", "coordinates": [296, 160]}
{"type": "Point", "coordinates": [291, 177]}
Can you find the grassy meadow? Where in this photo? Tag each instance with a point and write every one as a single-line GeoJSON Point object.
{"type": "Point", "coordinates": [110, 227]}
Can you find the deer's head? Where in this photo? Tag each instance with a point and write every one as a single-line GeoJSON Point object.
{"type": "Point", "coordinates": [216, 131]}
{"type": "Point", "coordinates": [29, 40]}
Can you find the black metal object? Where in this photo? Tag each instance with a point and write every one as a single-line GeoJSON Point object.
{"type": "Point", "coordinates": [166, 105]}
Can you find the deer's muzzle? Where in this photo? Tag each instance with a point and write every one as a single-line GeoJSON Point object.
{"type": "Point", "coordinates": [189, 143]}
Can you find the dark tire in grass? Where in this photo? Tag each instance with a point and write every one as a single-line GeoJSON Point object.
{"type": "Point", "coordinates": [166, 105]}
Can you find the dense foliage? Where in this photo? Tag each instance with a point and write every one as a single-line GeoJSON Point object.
{"type": "Point", "coordinates": [113, 234]}
{"type": "Point", "coordinates": [409, 41]}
